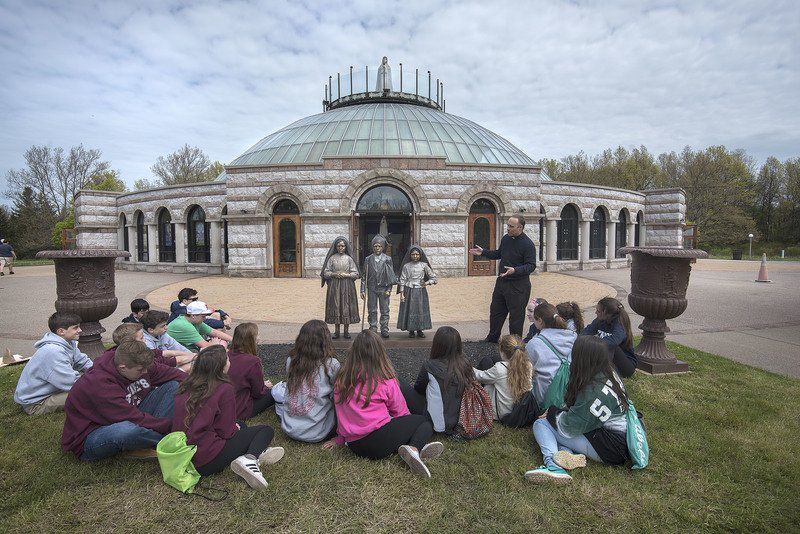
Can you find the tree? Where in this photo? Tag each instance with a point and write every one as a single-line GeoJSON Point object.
{"type": "Point", "coordinates": [186, 165]}
{"type": "Point", "coordinates": [54, 175]}
{"type": "Point", "coordinates": [106, 181]}
{"type": "Point", "coordinates": [32, 220]}
{"type": "Point", "coordinates": [143, 183]}
{"type": "Point", "coordinates": [6, 227]}
{"type": "Point", "coordinates": [789, 205]}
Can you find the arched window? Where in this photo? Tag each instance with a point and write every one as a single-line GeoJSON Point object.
{"type": "Point", "coordinates": [622, 234]}
{"type": "Point", "coordinates": [542, 233]}
{"type": "Point", "coordinates": [198, 230]}
{"type": "Point", "coordinates": [482, 205]}
{"type": "Point", "coordinates": [225, 233]}
{"type": "Point", "coordinates": [141, 238]}
{"type": "Point", "coordinates": [567, 244]}
{"type": "Point", "coordinates": [386, 198]}
{"type": "Point", "coordinates": [597, 235]}
{"type": "Point", "coordinates": [285, 206]}
{"type": "Point", "coordinates": [166, 237]}
{"type": "Point", "coordinates": [123, 223]}
{"type": "Point", "coordinates": [639, 220]}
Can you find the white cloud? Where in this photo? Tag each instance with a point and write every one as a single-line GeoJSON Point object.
{"type": "Point", "coordinates": [137, 80]}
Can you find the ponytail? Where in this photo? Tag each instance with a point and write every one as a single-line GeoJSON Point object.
{"type": "Point", "coordinates": [615, 311]}
{"type": "Point", "coordinates": [548, 314]}
{"type": "Point", "coordinates": [571, 310]}
{"type": "Point", "coordinates": [520, 370]}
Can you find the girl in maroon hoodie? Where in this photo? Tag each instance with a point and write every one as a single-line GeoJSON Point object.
{"type": "Point", "coordinates": [205, 411]}
{"type": "Point", "coordinates": [253, 393]}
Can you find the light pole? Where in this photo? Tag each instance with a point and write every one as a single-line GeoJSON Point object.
{"type": "Point", "coordinates": [751, 245]}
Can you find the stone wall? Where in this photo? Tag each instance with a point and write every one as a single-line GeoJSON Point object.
{"type": "Point", "coordinates": [665, 217]}
{"type": "Point", "coordinates": [96, 219]}
{"type": "Point", "coordinates": [587, 198]}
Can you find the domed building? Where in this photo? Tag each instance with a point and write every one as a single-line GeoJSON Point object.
{"type": "Point", "coordinates": [380, 158]}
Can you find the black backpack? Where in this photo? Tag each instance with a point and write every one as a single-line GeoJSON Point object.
{"type": "Point", "coordinates": [523, 413]}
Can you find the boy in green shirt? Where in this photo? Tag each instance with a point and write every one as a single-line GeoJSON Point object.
{"type": "Point", "coordinates": [190, 331]}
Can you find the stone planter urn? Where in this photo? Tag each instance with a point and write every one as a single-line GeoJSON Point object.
{"type": "Point", "coordinates": [659, 279]}
{"type": "Point", "coordinates": [85, 286]}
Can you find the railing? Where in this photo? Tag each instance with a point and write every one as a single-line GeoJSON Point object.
{"type": "Point", "coordinates": [356, 85]}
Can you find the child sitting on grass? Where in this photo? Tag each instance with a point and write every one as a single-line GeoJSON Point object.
{"type": "Point", "coordinates": [373, 419]}
{"type": "Point", "coordinates": [441, 381]}
{"type": "Point", "coordinates": [138, 308]}
{"type": "Point", "coordinates": [154, 324]}
{"type": "Point", "coordinates": [253, 393]}
{"type": "Point", "coordinates": [548, 349]}
{"type": "Point", "coordinates": [571, 312]}
{"type": "Point", "coordinates": [205, 409]}
{"type": "Point", "coordinates": [613, 326]}
{"type": "Point", "coordinates": [123, 403]}
{"type": "Point", "coordinates": [135, 332]}
{"type": "Point", "coordinates": [593, 422]}
{"type": "Point", "coordinates": [54, 368]}
{"type": "Point", "coordinates": [507, 380]}
{"type": "Point", "coordinates": [308, 413]}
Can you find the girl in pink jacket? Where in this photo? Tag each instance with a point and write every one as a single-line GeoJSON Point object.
{"type": "Point", "coordinates": [373, 419]}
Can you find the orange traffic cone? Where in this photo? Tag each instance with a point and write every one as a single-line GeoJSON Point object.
{"type": "Point", "coordinates": [762, 271]}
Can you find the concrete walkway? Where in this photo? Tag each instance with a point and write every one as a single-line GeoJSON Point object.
{"type": "Point", "coordinates": [731, 315]}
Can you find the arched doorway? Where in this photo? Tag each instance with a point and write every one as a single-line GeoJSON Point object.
{"type": "Point", "coordinates": [621, 234]}
{"type": "Point", "coordinates": [143, 254]}
{"type": "Point", "coordinates": [123, 224]}
{"type": "Point", "coordinates": [482, 224]}
{"type": "Point", "coordinates": [597, 235]}
{"type": "Point", "coordinates": [166, 237]}
{"type": "Point", "coordinates": [388, 211]}
{"type": "Point", "coordinates": [567, 244]}
{"type": "Point", "coordinates": [199, 242]}
{"type": "Point", "coordinates": [225, 252]}
{"type": "Point", "coordinates": [286, 239]}
{"type": "Point", "coordinates": [637, 230]}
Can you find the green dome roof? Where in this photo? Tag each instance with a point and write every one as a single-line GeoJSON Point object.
{"type": "Point", "coordinates": [382, 129]}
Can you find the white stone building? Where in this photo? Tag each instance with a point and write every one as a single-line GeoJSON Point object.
{"type": "Point", "coordinates": [375, 161]}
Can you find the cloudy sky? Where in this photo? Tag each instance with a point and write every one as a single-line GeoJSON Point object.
{"type": "Point", "coordinates": [139, 79]}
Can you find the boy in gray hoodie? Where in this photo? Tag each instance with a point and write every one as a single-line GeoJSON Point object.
{"type": "Point", "coordinates": [55, 366]}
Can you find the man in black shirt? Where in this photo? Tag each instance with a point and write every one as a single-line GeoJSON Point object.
{"type": "Point", "coordinates": [517, 255]}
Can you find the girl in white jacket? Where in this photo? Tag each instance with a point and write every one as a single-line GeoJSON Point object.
{"type": "Point", "coordinates": [508, 378]}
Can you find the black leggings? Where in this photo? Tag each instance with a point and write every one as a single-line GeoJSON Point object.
{"type": "Point", "coordinates": [414, 430]}
{"type": "Point", "coordinates": [417, 404]}
{"type": "Point", "coordinates": [247, 440]}
{"type": "Point", "coordinates": [259, 405]}
{"type": "Point", "coordinates": [623, 362]}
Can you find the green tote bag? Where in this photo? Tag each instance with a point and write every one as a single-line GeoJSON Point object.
{"type": "Point", "coordinates": [175, 460]}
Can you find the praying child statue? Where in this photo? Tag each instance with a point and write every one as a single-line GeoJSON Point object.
{"type": "Point", "coordinates": [376, 284]}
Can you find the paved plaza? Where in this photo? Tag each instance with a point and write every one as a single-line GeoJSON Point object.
{"type": "Point", "coordinates": [728, 314]}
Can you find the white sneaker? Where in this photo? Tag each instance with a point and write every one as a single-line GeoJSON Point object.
{"type": "Point", "coordinates": [271, 455]}
{"type": "Point", "coordinates": [247, 468]}
{"type": "Point", "coordinates": [411, 457]}
{"type": "Point", "coordinates": [432, 450]}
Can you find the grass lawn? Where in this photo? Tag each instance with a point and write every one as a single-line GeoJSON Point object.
{"type": "Point", "coordinates": [725, 455]}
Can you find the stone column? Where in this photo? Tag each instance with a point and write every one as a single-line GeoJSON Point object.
{"type": "Point", "coordinates": [642, 235]}
{"type": "Point", "coordinates": [611, 241]}
{"type": "Point", "coordinates": [133, 242]}
{"type": "Point", "coordinates": [216, 245]}
{"type": "Point", "coordinates": [180, 243]}
{"type": "Point", "coordinates": [584, 238]}
{"type": "Point", "coordinates": [152, 242]}
{"type": "Point", "coordinates": [630, 234]}
{"type": "Point", "coordinates": [551, 243]}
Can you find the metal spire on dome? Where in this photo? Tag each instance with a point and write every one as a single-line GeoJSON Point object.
{"type": "Point", "coordinates": [354, 88]}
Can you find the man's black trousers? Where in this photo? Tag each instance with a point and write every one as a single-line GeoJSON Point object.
{"type": "Point", "coordinates": [510, 297]}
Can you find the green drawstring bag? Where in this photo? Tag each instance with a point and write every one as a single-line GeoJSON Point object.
{"type": "Point", "coordinates": [175, 460]}
{"type": "Point", "coordinates": [558, 386]}
{"type": "Point", "coordinates": [635, 436]}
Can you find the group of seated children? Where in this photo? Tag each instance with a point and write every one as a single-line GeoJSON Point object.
{"type": "Point", "coordinates": [136, 392]}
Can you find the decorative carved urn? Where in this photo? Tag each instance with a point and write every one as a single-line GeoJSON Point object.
{"type": "Point", "coordinates": [85, 286]}
{"type": "Point", "coordinates": [659, 279]}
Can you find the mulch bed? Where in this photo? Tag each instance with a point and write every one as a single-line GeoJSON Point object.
{"type": "Point", "coordinates": [406, 361]}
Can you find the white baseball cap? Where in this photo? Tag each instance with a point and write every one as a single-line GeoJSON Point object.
{"type": "Point", "coordinates": [197, 307]}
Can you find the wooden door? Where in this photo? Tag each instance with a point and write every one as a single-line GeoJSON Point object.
{"type": "Point", "coordinates": [286, 258]}
{"type": "Point", "coordinates": [482, 234]}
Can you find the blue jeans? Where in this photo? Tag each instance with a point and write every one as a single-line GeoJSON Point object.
{"type": "Point", "coordinates": [126, 436]}
{"type": "Point", "coordinates": [551, 440]}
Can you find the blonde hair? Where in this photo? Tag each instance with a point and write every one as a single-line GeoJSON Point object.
{"type": "Point", "coordinates": [520, 370]}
